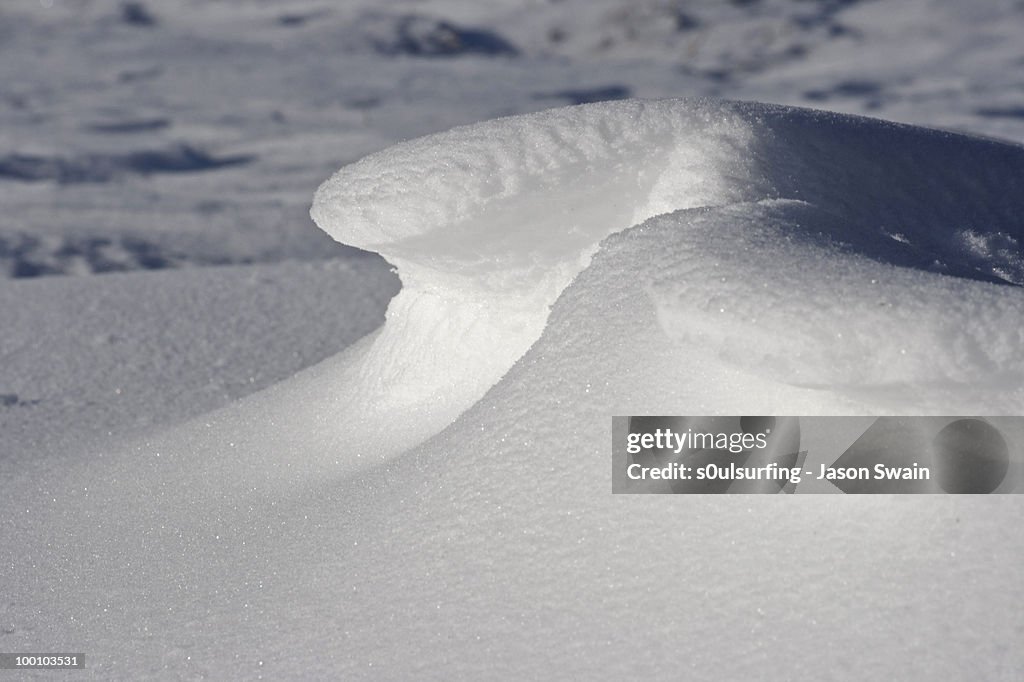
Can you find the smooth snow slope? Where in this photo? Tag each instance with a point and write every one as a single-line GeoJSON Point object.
{"type": "Point", "coordinates": [123, 354]}
{"type": "Point", "coordinates": [800, 262]}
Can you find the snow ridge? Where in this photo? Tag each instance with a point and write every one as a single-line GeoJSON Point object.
{"type": "Point", "coordinates": [488, 223]}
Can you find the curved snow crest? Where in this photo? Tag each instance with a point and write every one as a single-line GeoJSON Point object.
{"type": "Point", "coordinates": [489, 223]}
{"type": "Point", "coordinates": [656, 155]}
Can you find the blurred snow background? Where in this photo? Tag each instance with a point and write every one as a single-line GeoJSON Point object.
{"type": "Point", "coordinates": [179, 133]}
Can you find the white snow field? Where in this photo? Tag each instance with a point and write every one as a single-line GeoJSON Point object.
{"type": "Point", "coordinates": [435, 501]}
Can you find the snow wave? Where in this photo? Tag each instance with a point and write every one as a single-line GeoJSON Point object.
{"type": "Point", "coordinates": [489, 223]}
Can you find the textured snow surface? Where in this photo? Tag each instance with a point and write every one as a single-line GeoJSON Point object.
{"type": "Point", "coordinates": [434, 502]}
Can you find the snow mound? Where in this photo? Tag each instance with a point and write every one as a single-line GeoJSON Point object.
{"type": "Point", "coordinates": [487, 224]}
{"type": "Point", "coordinates": [435, 501]}
{"type": "Point", "coordinates": [824, 276]}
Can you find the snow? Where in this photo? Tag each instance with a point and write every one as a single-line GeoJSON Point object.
{"type": "Point", "coordinates": [219, 464]}
{"type": "Point", "coordinates": [487, 225]}
{"type": "Point", "coordinates": [104, 367]}
{"type": "Point", "coordinates": [429, 503]}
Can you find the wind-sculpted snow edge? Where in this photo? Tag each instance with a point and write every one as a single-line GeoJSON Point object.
{"type": "Point", "coordinates": [489, 223]}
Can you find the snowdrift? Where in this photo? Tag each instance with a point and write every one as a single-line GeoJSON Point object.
{"type": "Point", "coordinates": [435, 501]}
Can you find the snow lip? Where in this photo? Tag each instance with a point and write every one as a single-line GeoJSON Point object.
{"type": "Point", "coordinates": [489, 223]}
{"type": "Point", "coordinates": [421, 185]}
